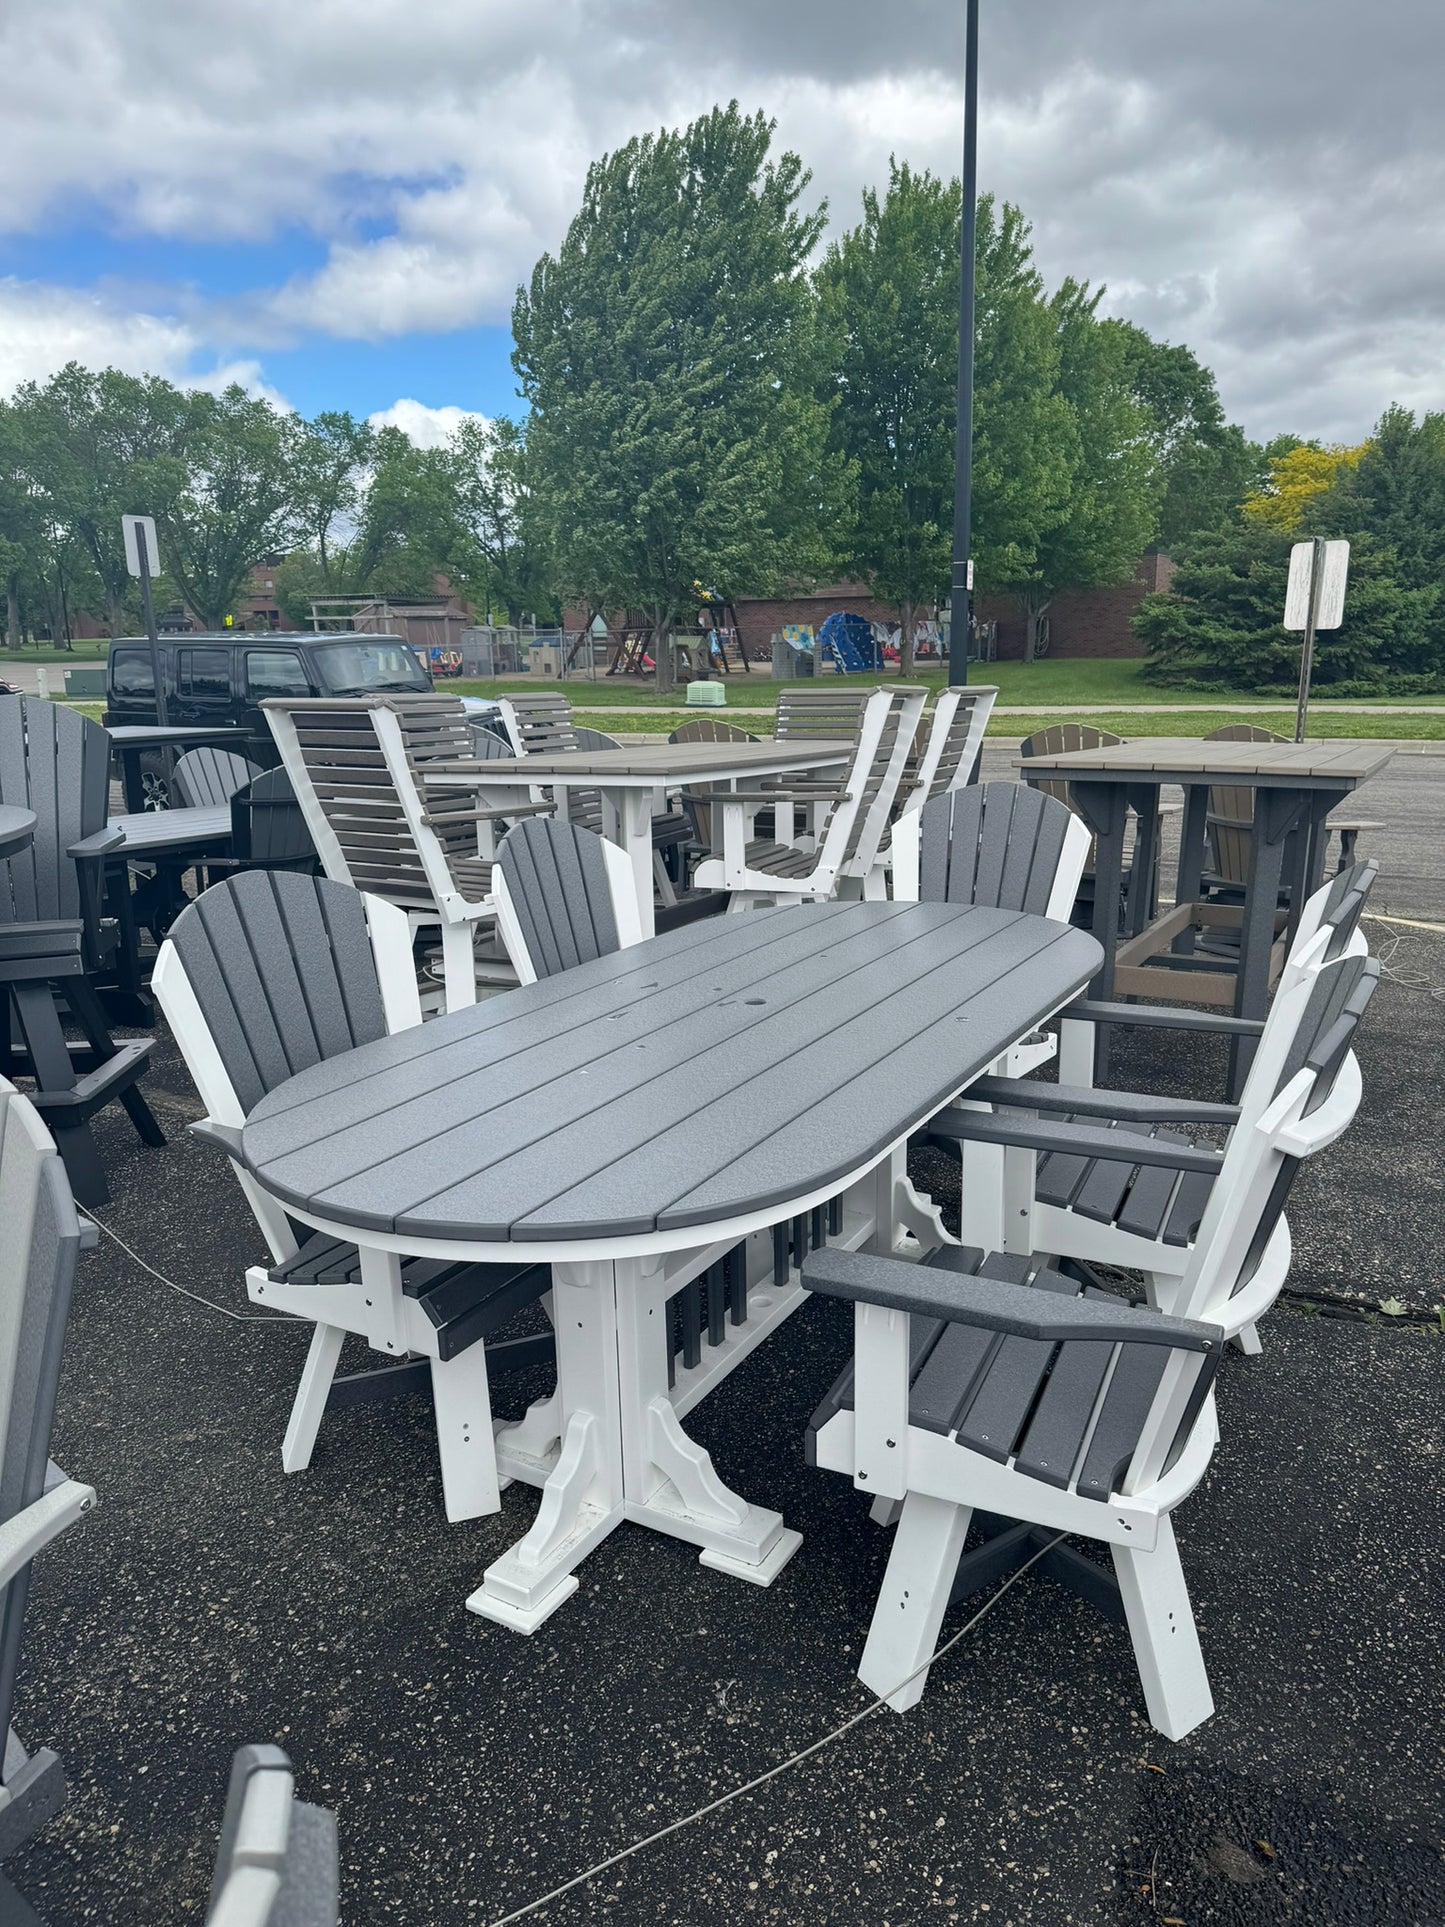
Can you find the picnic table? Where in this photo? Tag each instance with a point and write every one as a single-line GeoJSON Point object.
{"type": "Point", "coordinates": [130, 741]}
{"type": "Point", "coordinates": [17, 828]}
{"type": "Point", "coordinates": [1296, 786]}
{"type": "Point", "coordinates": [606, 1122]}
{"type": "Point", "coordinates": [628, 778]}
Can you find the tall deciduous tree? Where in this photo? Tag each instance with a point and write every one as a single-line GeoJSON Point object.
{"type": "Point", "coordinates": [329, 461]}
{"type": "Point", "coordinates": [1206, 465]}
{"type": "Point", "coordinates": [411, 526]}
{"type": "Point", "coordinates": [670, 352]}
{"type": "Point", "coordinates": [497, 510]}
{"type": "Point", "coordinates": [1297, 480]}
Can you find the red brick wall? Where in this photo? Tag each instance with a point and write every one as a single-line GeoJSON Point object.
{"type": "Point", "coordinates": [1085, 622]}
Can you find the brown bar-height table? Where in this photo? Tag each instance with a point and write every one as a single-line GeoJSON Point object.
{"type": "Point", "coordinates": [1296, 785]}
{"type": "Point", "coordinates": [628, 777]}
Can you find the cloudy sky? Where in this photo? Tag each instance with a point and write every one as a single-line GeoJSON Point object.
{"type": "Point", "coordinates": [333, 200]}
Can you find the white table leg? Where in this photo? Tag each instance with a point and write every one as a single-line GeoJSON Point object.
{"type": "Point", "coordinates": [631, 810]}
{"type": "Point", "coordinates": [582, 1497]}
{"type": "Point", "coordinates": [669, 1480]}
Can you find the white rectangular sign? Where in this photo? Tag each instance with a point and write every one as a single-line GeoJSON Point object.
{"type": "Point", "coordinates": [1336, 564]}
{"type": "Point", "coordinates": [137, 529]}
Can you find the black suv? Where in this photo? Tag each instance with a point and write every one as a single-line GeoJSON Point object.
{"type": "Point", "coordinates": [221, 678]}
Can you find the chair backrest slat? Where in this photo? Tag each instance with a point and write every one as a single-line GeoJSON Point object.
{"type": "Point", "coordinates": [556, 877]}
{"type": "Point", "coordinates": [207, 778]}
{"type": "Point", "coordinates": [539, 722]}
{"type": "Point", "coordinates": [281, 967]}
{"type": "Point", "coordinates": [827, 712]}
{"type": "Point", "coordinates": [997, 845]}
{"type": "Point", "coordinates": [38, 1254]}
{"type": "Point", "coordinates": [1058, 740]}
{"type": "Point", "coordinates": [709, 729]}
{"type": "Point", "coordinates": [55, 762]}
{"type": "Point", "coordinates": [1232, 804]}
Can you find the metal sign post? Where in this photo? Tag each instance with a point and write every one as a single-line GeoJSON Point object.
{"type": "Point", "coordinates": [1314, 600]}
{"type": "Point", "coordinates": [142, 558]}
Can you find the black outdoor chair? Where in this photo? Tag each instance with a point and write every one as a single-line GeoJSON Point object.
{"type": "Point", "coordinates": [268, 827]}
{"type": "Point", "coordinates": [43, 1238]}
{"type": "Point", "coordinates": [53, 938]}
{"type": "Point", "coordinates": [277, 1864]}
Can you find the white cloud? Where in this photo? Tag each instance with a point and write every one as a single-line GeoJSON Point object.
{"type": "Point", "coordinates": [427, 427]}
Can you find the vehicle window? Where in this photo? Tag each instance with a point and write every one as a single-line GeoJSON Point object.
{"type": "Point", "coordinates": [130, 673]}
{"type": "Point", "coordinates": [275, 672]}
{"type": "Point", "coordinates": [359, 664]}
{"type": "Point", "coordinates": [205, 673]}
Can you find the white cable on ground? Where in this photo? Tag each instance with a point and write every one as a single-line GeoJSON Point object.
{"type": "Point", "coordinates": [239, 1317]}
{"type": "Point", "coordinates": [675, 1826]}
{"type": "Point", "coordinates": [1385, 956]}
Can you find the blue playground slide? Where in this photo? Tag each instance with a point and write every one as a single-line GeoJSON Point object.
{"type": "Point", "coordinates": [849, 640]}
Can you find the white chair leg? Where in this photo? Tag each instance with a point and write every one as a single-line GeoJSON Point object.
{"type": "Point", "coordinates": [459, 965]}
{"type": "Point", "coordinates": [914, 1598]}
{"type": "Point", "coordinates": [1166, 1643]}
{"type": "Point", "coordinates": [463, 1402]}
{"type": "Point", "coordinates": [1247, 1339]}
{"type": "Point", "coordinates": [311, 1395]}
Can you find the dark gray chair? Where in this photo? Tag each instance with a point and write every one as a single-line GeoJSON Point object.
{"type": "Point", "coordinates": [53, 938]}
{"type": "Point", "coordinates": [42, 1239]}
{"type": "Point", "coordinates": [268, 828]}
{"type": "Point", "coordinates": [277, 1864]}
{"type": "Point", "coordinates": [564, 897]}
{"type": "Point", "coordinates": [208, 778]}
{"type": "Point", "coordinates": [997, 845]}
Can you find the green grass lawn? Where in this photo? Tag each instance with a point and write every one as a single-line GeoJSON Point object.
{"type": "Point", "coordinates": [1183, 722]}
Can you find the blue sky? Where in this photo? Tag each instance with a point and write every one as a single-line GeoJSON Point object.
{"type": "Point", "coordinates": [334, 203]}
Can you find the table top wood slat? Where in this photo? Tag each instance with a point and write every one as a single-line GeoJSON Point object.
{"type": "Point", "coordinates": [1173, 758]}
{"type": "Point", "coordinates": [150, 832]}
{"type": "Point", "coordinates": [648, 1090]}
{"type": "Point", "coordinates": [651, 764]}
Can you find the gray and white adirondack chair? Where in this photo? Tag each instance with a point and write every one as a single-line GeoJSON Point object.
{"type": "Point", "coordinates": [1001, 846]}
{"type": "Point", "coordinates": [564, 896]}
{"type": "Point", "coordinates": [358, 767]}
{"type": "Point", "coordinates": [277, 1863]}
{"type": "Point", "coordinates": [995, 1384]}
{"type": "Point", "coordinates": [55, 763]}
{"type": "Point", "coordinates": [263, 976]}
{"type": "Point", "coordinates": [845, 852]}
{"type": "Point", "coordinates": [208, 778]}
{"type": "Point", "coordinates": [945, 752]}
{"type": "Point", "coordinates": [42, 1240]}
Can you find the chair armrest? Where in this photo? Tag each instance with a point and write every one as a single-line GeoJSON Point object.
{"type": "Point", "coordinates": [781, 796]}
{"type": "Point", "coordinates": [1131, 1106]}
{"type": "Point", "coordinates": [990, 1304]}
{"type": "Point", "coordinates": [1073, 1140]}
{"type": "Point", "coordinates": [1162, 1017]}
{"type": "Point", "coordinates": [35, 1525]}
{"type": "Point", "coordinates": [98, 844]}
{"type": "Point", "coordinates": [226, 1137]}
{"type": "Point", "coordinates": [441, 818]}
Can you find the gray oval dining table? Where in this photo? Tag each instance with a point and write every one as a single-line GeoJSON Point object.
{"type": "Point", "coordinates": [633, 1120]}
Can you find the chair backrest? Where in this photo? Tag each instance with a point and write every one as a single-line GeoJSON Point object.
{"type": "Point", "coordinates": [357, 765]}
{"type": "Point", "coordinates": [207, 778]}
{"type": "Point", "coordinates": [564, 896]}
{"type": "Point", "coordinates": [1302, 1091]}
{"type": "Point", "coordinates": [951, 738]}
{"type": "Point", "coordinates": [829, 711]}
{"type": "Point", "coordinates": [1057, 740]}
{"type": "Point", "coordinates": [1337, 906]}
{"type": "Point", "coordinates": [267, 824]}
{"type": "Point", "coordinates": [589, 738]}
{"type": "Point", "coordinates": [852, 834]}
{"type": "Point", "coordinates": [539, 722]}
{"type": "Point", "coordinates": [709, 729]}
{"type": "Point", "coordinates": [1231, 807]}
{"type": "Point", "coordinates": [56, 763]}
{"type": "Point", "coordinates": [38, 1253]}
{"type": "Point", "coordinates": [998, 845]}
{"type": "Point", "coordinates": [487, 745]}
{"type": "Point", "coordinates": [277, 1864]}
{"type": "Point", "coordinates": [270, 972]}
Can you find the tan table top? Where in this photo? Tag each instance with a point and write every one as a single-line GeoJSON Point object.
{"type": "Point", "coordinates": [1319, 764]}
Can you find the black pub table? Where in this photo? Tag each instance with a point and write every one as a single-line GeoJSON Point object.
{"type": "Point", "coordinates": [1296, 785]}
{"type": "Point", "coordinates": [638, 1138]}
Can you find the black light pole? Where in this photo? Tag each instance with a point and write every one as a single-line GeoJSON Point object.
{"type": "Point", "coordinates": [960, 627]}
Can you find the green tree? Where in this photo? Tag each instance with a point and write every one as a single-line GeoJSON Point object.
{"type": "Point", "coordinates": [1395, 492]}
{"type": "Point", "coordinates": [411, 527]}
{"type": "Point", "coordinates": [329, 460]}
{"type": "Point", "coordinates": [1206, 465]}
{"type": "Point", "coordinates": [672, 355]}
{"type": "Point", "coordinates": [498, 512]}
{"type": "Point", "coordinates": [1107, 463]}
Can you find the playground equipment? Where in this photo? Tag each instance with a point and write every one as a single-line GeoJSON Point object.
{"type": "Point", "coordinates": [849, 643]}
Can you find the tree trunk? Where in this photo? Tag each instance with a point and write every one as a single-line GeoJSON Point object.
{"type": "Point", "coordinates": [12, 611]}
{"type": "Point", "coordinates": [905, 641]}
{"type": "Point", "coordinates": [662, 654]}
{"type": "Point", "coordinates": [115, 613]}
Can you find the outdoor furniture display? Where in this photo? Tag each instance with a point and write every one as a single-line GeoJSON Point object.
{"type": "Point", "coordinates": [995, 1385]}
{"type": "Point", "coordinates": [365, 770]}
{"type": "Point", "coordinates": [628, 778]}
{"type": "Point", "coordinates": [698, 803]}
{"type": "Point", "coordinates": [845, 849]}
{"type": "Point", "coordinates": [264, 976]}
{"type": "Point", "coordinates": [277, 1864]}
{"type": "Point", "coordinates": [43, 1239]}
{"type": "Point", "coordinates": [671, 828]}
{"type": "Point", "coordinates": [145, 882]}
{"type": "Point", "coordinates": [53, 939]}
{"type": "Point", "coordinates": [210, 776]}
{"type": "Point", "coordinates": [1296, 786]}
{"type": "Point", "coordinates": [268, 830]}
{"type": "Point", "coordinates": [564, 896]}
{"type": "Point", "coordinates": [132, 742]}
{"type": "Point", "coordinates": [1231, 817]}
{"type": "Point", "coordinates": [952, 740]}
{"type": "Point", "coordinates": [609, 1123]}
